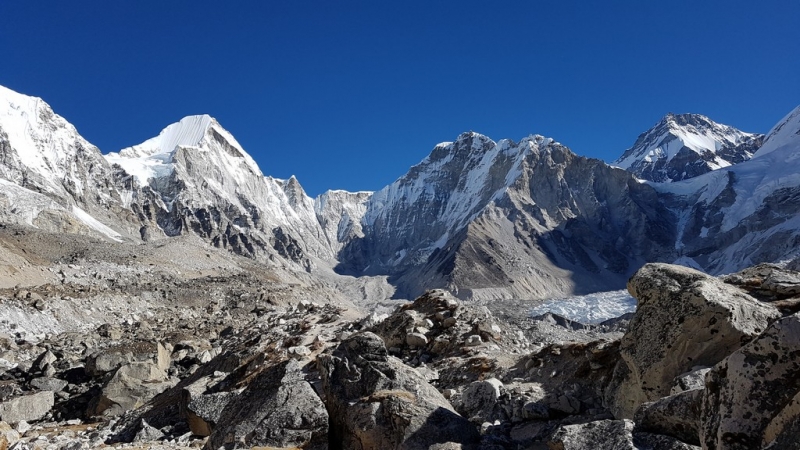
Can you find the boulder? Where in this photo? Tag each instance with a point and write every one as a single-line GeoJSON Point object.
{"type": "Point", "coordinates": [611, 434]}
{"type": "Point", "coordinates": [279, 408]}
{"type": "Point", "coordinates": [677, 416]}
{"type": "Point", "coordinates": [479, 399]}
{"type": "Point", "coordinates": [133, 385]}
{"type": "Point", "coordinates": [684, 318]}
{"type": "Point", "coordinates": [416, 340]}
{"type": "Point", "coordinates": [109, 359]}
{"type": "Point", "coordinates": [375, 401]}
{"type": "Point", "coordinates": [606, 434]}
{"type": "Point", "coordinates": [202, 409]}
{"type": "Point", "coordinates": [49, 384]}
{"type": "Point", "coordinates": [8, 436]}
{"type": "Point", "coordinates": [752, 398]}
{"type": "Point", "coordinates": [148, 433]}
{"type": "Point", "coordinates": [694, 379]}
{"type": "Point", "coordinates": [29, 408]}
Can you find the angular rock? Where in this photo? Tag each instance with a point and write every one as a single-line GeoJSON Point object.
{"type": "Point", "coordinates": [601, 434]}
{"type": "Point", "coordinates": [299, 352]}
{"type": "Point", "coordinates": [685, 318]}
{"type": "Point", "coordinates": [44, 360]}
{"type": "Point", "coordinates": [148, 433]}
{"type": "Point", "coordinates": [29, 408]}
{"type": "Point", "coordinates": [416, 339]}
{"type": "Point", "coordinates": [695, 379]}
{"type": "Point", "coordinates": [277, 409]}
{"type": "Point", "coordinates": [474, 340]}
{"type": "Point", "coordinates": [677, 416]}
{"type": "Point", "coordinates": [132, 386]}
{"type": "Point", "coordinates": [752, 398]}
{"type": "Point", "coordinates": [48, 384]}
{"type": "Point", "coordinates": [479, 399]}
{"type": "Point", "coordinates": [203, 410]}
{"type": "Point", "coordinates": [8, 436]}
{"type": "Point", "coordinates": [107, 360]}
{"type": "Point", "coordinates": [375, 401]}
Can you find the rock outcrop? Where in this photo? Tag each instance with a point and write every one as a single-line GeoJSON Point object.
{"type": "Point", "coordinates": [684, 318]}
{"type": "Point", "coordinates": [752, 398]}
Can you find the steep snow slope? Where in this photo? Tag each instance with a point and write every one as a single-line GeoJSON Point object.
{"type": "Point", "coordinates": [683, 146]}
{"type": "Point", "coordinates": [40, 151]}
{"type": "Point", "coordinates": [744, 214]}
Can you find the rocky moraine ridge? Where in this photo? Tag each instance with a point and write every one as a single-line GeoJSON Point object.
{"type": "Point", "coordinates": [704, 362]}
{"type": "Point", "coordinates": [170, 295]}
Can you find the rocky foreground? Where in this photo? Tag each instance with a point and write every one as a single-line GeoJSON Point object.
{"type": "Point", "coordinates": [704, 362]}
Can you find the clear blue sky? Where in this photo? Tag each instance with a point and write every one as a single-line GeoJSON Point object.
{"type": "Point", "coordinates": [349, 94]}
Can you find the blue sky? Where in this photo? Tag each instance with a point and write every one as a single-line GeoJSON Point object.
{"type": "Point", "coordinates": [350, 94]}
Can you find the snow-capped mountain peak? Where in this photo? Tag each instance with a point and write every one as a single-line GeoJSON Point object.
{"type": "Point", "coordinates": [42, 144]}
{"type": "Point", "coordinates": [784, 134]}
{"type": "Point", "coordinates": [155, 157]}
{"type": "Point", "coordinates": [682, 146]}
{"type": "Point", "coordinates": [188, 132]}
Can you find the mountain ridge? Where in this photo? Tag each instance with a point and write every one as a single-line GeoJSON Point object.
{"type": "Point", "coordinates": [484, 219]}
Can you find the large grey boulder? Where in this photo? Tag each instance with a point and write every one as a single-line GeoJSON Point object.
{"type": "Point", "coordinates": [377, 402]}
{"type": "Point", "coordinates": [132, 385]}
{"type": "Point", "coordinates": [279, 408]}
{"type": "Point", "coordinates": [29, 408]}
{"type": "Point", "coordinates": [684, 318]}
{"type": "Point", "coordinates": [109, 359]}
{"type": "Point", "coordinates": [752, 398]}
{"type": "Point", "coordinates": [677, 415]}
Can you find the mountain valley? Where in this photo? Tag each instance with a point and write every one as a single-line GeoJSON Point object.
{"type": "Point", "coordinates": [172, 295]}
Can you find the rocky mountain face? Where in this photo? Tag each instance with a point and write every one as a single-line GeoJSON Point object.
{"type": "Point", "coordinates": [195, 178]}
{"type": "Point", "coordinates": [523, 220]}
{"type": "Point", "coordinates": [52, 178]}
{"type": "Point", "coordinates": [170, 295]}
{"type": "Point", "coordinates": [483, 219]}
{"type": "Point", "coordinates": [683, 146]}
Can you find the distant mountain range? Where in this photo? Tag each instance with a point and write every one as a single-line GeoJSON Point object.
{"type": "Point", "coordinates": [484, 219]}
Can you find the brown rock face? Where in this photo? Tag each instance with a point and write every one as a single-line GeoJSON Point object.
{"type": "Point", "coordinates": [752, 398]}
{"type": "Point", "coordinates": [685, 318]}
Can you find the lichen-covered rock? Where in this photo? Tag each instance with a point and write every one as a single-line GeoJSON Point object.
{"type": "Point", "coordinates": [684, 318]}
{"type": "Point", "coordinates": [677, 415]}
{"type": "Point", "coordinates": [606, 434]}
{"type": "Point", "coordinates": [694, 379]}
{"type": "Point", "coordinates": [377, 402]}
{"type": "Point", "coordinates": [752, 398]}
{"type": "Point", "coordinates": [277, 409]}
